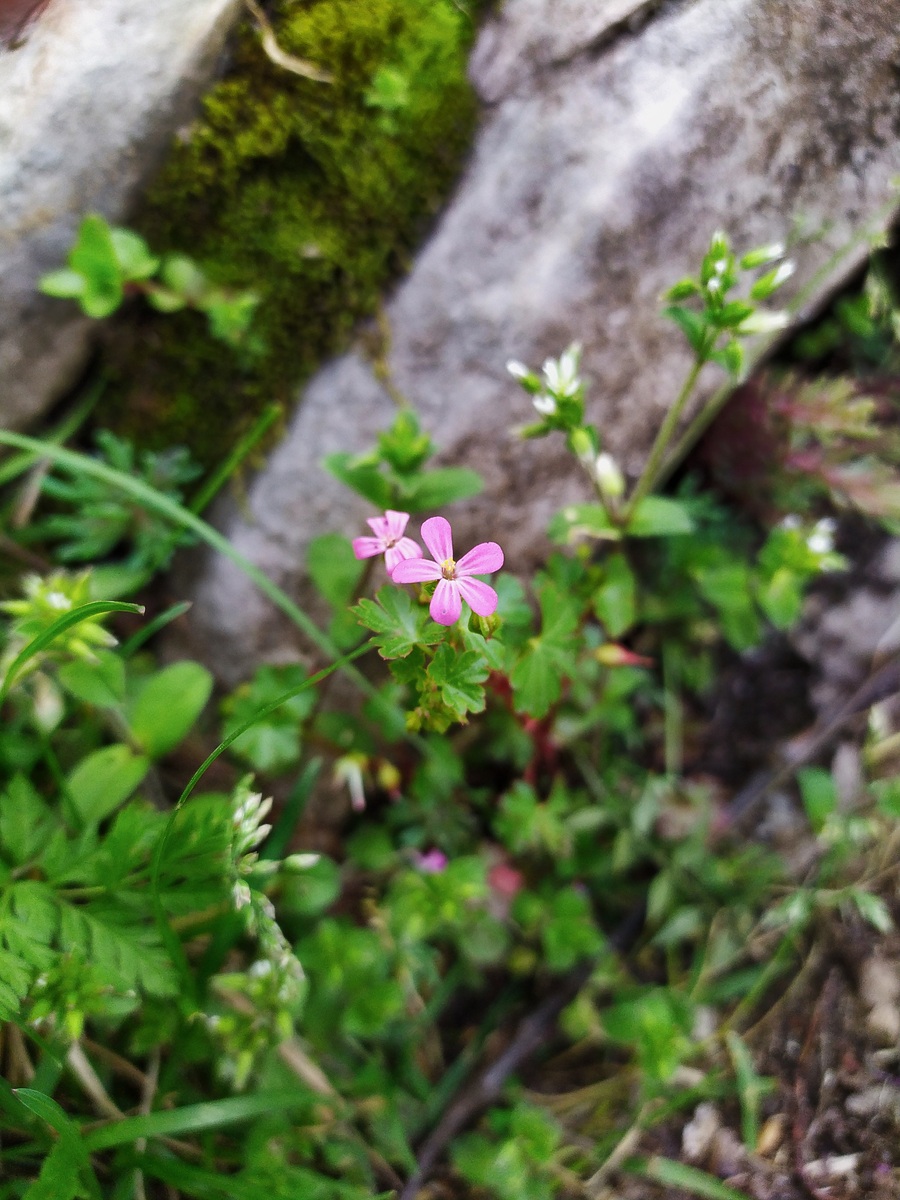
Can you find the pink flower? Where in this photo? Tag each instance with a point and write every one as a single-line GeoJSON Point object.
{"type": "Point", "coordinates": [388, 540]}
{"type": "Point", "coordinates": [431, 863]}
{"type": "Point", "coordinates": [455, 582]}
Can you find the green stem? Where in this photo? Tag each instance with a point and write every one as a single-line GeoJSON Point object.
{"type": "Point", "coordinates": [220, 476]}
{"type": "Point", "coordinates": [651, 469]}
{"type": "Point", "coordinates": [707, 414]}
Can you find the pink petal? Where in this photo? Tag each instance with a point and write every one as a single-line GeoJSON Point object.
{"type": "Point", "coordinates": [482, 559]}
{"type": "Point", "coordinates": [395, 524]}
{"type": "Point", "coordinates": [405, 548]}
{"type": "Point", "coordinates": [479, 597]}
{"type": "Point", "coordinates": [415, 570]}
{"type": "Point", "coordinates": [366, 547]}
{"type": "Point", "coordinates": [437, 536]}
{"type": "Point", "coordinates": [379, 526]}
{"type": "Point", "coordinates": [446, 606]}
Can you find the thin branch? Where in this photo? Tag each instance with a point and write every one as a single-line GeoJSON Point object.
{"type": "Point", "coordinates": [297, 66]}
{"type": "Point", "coordinates": [882, 682]}
{"type": "Point", "coordinates": [80, 1066]}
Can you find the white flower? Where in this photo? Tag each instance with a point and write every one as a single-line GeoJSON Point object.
{"type": "Point", "coordinates": [545, 405]}
{"type": "Point", "coordinates": [517, 370]}
{"type": "Point", "coordinates": [821, 538]}
{"type": "Point", "coordinates": [561, 375]}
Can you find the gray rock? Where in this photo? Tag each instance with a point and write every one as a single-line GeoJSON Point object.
{"type": "Point", "coordinates": [89, 100]}
{"type": "Point", "coordinates": [616, 137]}
{"type": "Point", "coordinates": [848, 636]}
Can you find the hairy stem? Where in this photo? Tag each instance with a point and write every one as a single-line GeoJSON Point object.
{"type": "Point", "coordinates": [663, 438]}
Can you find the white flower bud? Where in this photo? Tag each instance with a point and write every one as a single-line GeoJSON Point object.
{"type": "Point", "coordinates": [300, 862]}
{"type": "Point", "coordinates": [609, 476]}
{"type": "Point", "coordinates": [765, 322]}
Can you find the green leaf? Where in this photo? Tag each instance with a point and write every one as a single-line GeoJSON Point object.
{"type": "Point", "coordinates": [781, 597]}
{"type": "Point", "coordinates": [731, 357]}
{"type": "Point", "coordinates": [124, 954]}
{"type": "Point", "coordinates": [404, 447]}
{"type": "Point", "coordinates": [571, 933]}
{"type": "Point", "coordinates": [683, 290]}
{"type": "Point", "coordinates": [273, 741]}
{"type": "Point", "coordinates": [692, 325]}
{"type": "Point", "coordinates": [399, 625]}
{"type": "Point", "coordinates": [873, 909]}
{"type": "Point", "coordinates": [63, 284]}
{"type": "Point", "coordinates": [168, 706]}
{"type": "Point", "coordinates": [28, 918]}
{"type": "Point", "coordinates": [615, 602]}
{"type": "Point", "coordinates": [133, 254]}
{"type": "Point", "coordinates": [459, 677]}
{"type": "Point", "coordinates": [59, 1177]}
{"type": "Point", "coordinates": [103, 781]}
{"type": "Point", "coordinates": [536, 679]}
{"type": "Point", "coordinates": [660, 516]}
{"type": "Point", "coordinates": [734, 314]}
{"type": "Point", "coordinates": [435, 489]}
{"type": "Point", "coordinates": [582, 520]}
{"type": "Point", "coordinates": [25, 822]}
{"type": "Point", "coordinates": [334, 568]}
{"type": "Point", "coordinates": [819, 794]}
{"type": "Point", "coordinates": [184, 277]}
{"type": "Point", "coordinates": [363, 476]}
{"type": "Point", "coordinates": [163, 300]}
{"type": "Point", "coordinates": [310, 891]}
{"type": "Point", "coordinates": [101, 683]}
{"type": "Point", "coordinates": [657, 1023]}
{"type": "Point", "coordinates": [546, 660]}
{"type": "Point", "coordinates": [94, 257]}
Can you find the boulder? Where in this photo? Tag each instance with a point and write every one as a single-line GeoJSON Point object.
{"type": "Point", "coordinates": [90, 96]}
{"type": "Point", "coordinates": [616, 137]}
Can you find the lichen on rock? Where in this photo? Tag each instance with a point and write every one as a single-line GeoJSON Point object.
{"type": "Point", "coordinates": [314, 194]}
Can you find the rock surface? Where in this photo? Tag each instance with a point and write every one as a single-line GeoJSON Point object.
{"type": "Point", "coordinates": [90, 95]}
{"type": "Point", "coordinates": [616, 137]}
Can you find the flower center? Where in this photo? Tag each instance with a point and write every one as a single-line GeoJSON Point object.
{"type": "Point", "coordinates": [448, 568]}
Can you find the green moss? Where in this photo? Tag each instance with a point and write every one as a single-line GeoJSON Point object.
{"type": "Point", "coordinates": [314, 194]}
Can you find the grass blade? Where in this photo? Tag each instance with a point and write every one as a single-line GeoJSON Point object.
{"type": "Point", "coordinates": [74, 617]}
{"type": "Point", "coordinates": [193, 1118]}
{"type": "Point", "coordinates": [153, 627]}
{"type": "Point", "coordinates": [73, 1157]}
{"type": "Point", "coordinates": [678, 1175]}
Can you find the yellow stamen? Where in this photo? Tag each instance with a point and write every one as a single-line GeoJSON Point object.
{"type": "Point", "coordinates": [448, 568]}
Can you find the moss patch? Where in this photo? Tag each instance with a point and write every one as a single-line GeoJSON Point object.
{"type": "Point", "coordinates": [314, 194]}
